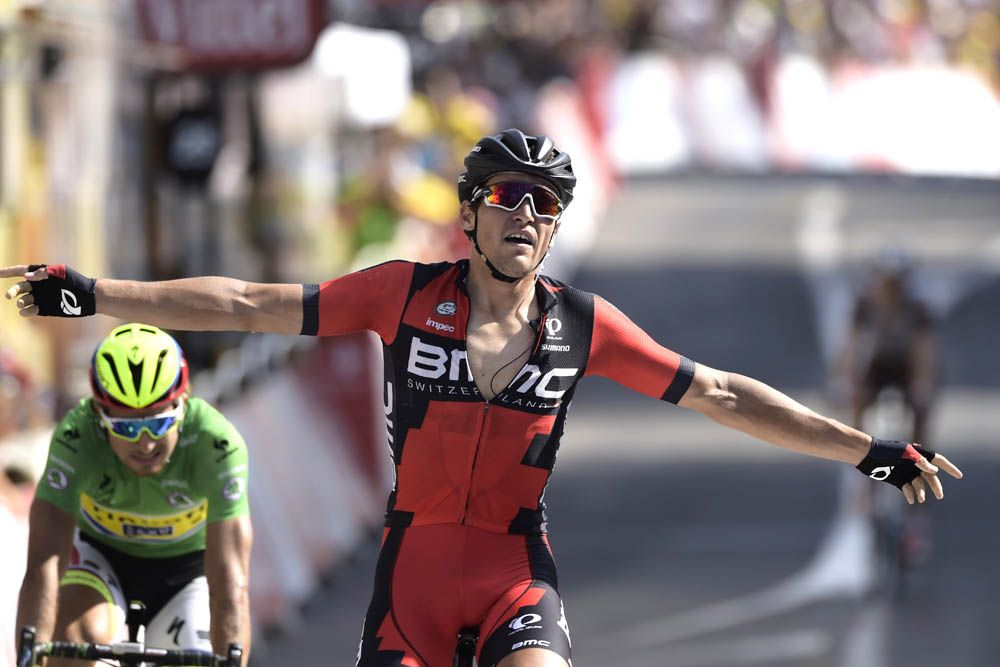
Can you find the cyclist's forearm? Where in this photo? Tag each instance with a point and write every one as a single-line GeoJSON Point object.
{"type": "Point", "coordinates": [765, 413]}
{"type": "Point", "coordinates": [208, 303]}
{"type": "Point", "coordinates": [37, 601]}
{"type": "Point", "coordinates": [231, 620]}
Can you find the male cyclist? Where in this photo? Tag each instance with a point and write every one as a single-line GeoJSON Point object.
{"type": "Point", "coordinates": [482, 358]}
{"type": "Point", "coordinates": [144, 499]}
{"type": "Point", "coordinates": [891, 344]}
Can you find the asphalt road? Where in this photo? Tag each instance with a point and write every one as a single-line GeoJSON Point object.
{"type": "Point", "coordinates": [682, 544]}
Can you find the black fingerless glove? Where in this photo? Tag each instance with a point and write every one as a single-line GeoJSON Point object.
{"type": "Point", "coordinates": [65, 293]}
{"type": "Point", "coordinates": [894, 462]}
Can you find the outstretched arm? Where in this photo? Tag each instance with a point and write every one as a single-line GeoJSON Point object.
{"type": "Point", "coordinates": [192, 304]}
{"type": "Point", "coordinates": [759, 410]}
{"type": "Point", "coordinates": [625, 353]}
{"type": "Point", "coordinates": [756, 409]}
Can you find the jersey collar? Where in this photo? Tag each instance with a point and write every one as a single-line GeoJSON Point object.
{"type": "Point", "coordinates": [546, 294]}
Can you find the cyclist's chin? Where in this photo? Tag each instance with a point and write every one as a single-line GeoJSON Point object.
{"type": "Point", "coordinates": [520, 264]}
{"type": "Point", "coordinates": [145, 466]}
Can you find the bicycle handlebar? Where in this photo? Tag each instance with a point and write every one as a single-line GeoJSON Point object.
{"type": "Point", "coordinates": [133, 652]}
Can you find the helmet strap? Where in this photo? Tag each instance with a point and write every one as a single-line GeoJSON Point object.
{"type": "Point", "coordinates": [494, 271]}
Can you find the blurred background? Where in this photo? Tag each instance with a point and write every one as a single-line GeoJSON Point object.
{"type": "Point", "coordinates": [753, 174]}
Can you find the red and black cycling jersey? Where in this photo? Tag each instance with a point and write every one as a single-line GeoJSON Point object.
{"type": "Point", "coordinates": [459, 459]}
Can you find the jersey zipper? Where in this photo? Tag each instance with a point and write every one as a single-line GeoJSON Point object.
{"type": "Point", "coordinates": [482, 424]}
{"type": "Point", "coordinates": [475, 457]}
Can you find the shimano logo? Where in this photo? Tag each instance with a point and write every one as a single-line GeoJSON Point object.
{"type": "Point", "coordinates": [69, 304]}
{"type": "Point", "coordinates": [440, 326]}
{"type": "Point", "coordinates": [531, 642]}
{"type": "Point", "coordinates": [555, 348]}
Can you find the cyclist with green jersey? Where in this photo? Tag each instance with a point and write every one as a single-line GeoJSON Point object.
{"type": "Point", "coordinates": [144, 498]}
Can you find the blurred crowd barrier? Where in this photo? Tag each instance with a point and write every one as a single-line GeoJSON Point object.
{"type": "Point", "coordinates": [295, 140]}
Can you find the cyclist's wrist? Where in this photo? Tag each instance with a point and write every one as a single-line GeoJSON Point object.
{"type": "Point", "coordinates": [893, 461]}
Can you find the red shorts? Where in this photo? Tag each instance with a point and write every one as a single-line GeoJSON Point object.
{"type": "Point", "coordinates": [432, 582]}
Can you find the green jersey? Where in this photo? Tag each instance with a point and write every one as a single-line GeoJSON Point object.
{"type": "Point", "coordinates": [150, 517]}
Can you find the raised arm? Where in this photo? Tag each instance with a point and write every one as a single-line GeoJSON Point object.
{"type": "Point", "coordinates": [756, 409]}
{"type": "Point", "coordinates": [625, 353]}
{"type": "Point", "coordinates": [207, 303]}
{"type": "Point", "coordinates": [193, 304]}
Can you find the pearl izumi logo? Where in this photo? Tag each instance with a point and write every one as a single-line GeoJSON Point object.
{"type": "Point", "coordinates": [881, 473]}
{"type": "Point", "coordinates": [552, 327]}
{"type": "Point", "coordinates": [69, 304]}
{"type": "Point", "coordinates": [440, 326]}
{"type": "Point", "coordinates": [522, 622]}
{"type": "Point", "coordinates": [446, 308]}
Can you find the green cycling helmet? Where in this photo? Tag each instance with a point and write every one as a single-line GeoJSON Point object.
{"type": "Point", "coordinates": [138, 366]}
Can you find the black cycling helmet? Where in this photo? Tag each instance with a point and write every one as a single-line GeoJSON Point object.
{"type": "Point", "coordinates": [513, 150]}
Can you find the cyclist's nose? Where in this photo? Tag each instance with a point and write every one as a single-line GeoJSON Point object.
{"type": "Point", "coordinates": [525, 210]}
{"type": "Point", "coordinates": [146, 443]}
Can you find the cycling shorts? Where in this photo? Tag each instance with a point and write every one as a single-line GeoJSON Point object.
{"type": "Point", "coordinates": [173, 590]}
{"type": "Point", "coordinates": [432, 582]}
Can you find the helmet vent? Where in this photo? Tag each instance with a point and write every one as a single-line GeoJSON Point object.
{"type": "Point", "coordinates": [159, 366]}
{"type": "Point", "coordinates": [114, 371]}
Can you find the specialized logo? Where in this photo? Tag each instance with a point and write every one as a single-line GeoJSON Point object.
{"type": "Point", "coordinates": [56, 479]}
{"type": "Point", "coordinates": [69, 304]}
{"type": "Point", "coordinates": [135, 355]}
{"type": "Point", "coordinates": [446, 308]}
{"type": "Point", "coordinates": [553, 325]}
{"type": "Point", "coordinates": [881, 473]}
{"type": "Point", "coordinates": [175, 629]}
{"type": "Point", "coordinates": [233, 490]}
{"type": "Point", "coordinates": [222, 445]}
{"type": "Point", "coordinates": [523, 621]}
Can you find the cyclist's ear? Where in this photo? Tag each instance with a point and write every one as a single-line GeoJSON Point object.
{"type": "Point", "coordinates": [468, 217]}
